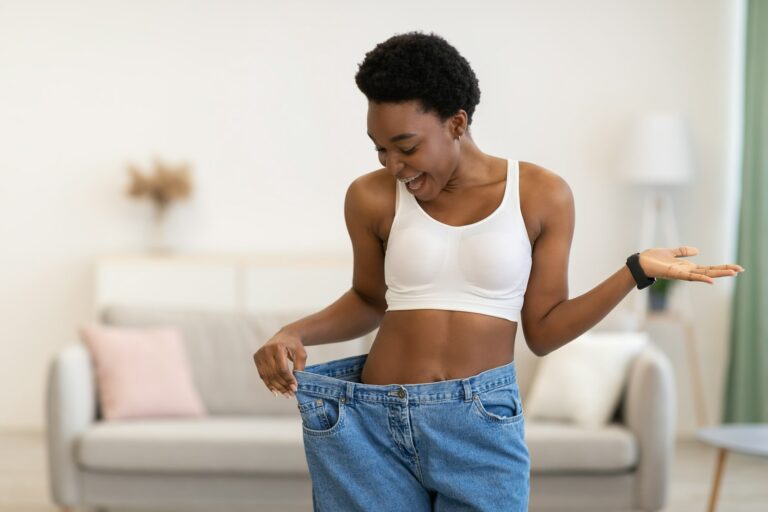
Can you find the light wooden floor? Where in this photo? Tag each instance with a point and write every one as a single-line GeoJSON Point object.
{"type": "Point", "coordinates": [24, 485]}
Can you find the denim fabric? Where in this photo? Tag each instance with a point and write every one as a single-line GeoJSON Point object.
{"type": "Point", "coordinates": [452, 445]}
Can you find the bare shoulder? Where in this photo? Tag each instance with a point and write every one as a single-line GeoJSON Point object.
{"type": "Point", "coordinates": [376, 182]}
{"type": "Point", "coordinates": [374, 196]}
{"type": "Point", "coordinates": [541, 181]}
{"type": "Point", "coordinates": [543, 192]}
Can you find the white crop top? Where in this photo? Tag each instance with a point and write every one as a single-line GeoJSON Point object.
{"type": "Point", "coordinates": [481, 267]}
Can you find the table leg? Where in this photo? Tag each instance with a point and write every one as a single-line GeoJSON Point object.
{"type": "Point", "coordinates": [695, 373]}
{"type": "Point", "coordinates": [718, 477]}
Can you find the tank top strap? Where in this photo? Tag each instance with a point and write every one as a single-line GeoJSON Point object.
{"type": "Point", "coordinates": [509, 187]}
{"type": "Point", "coordinates": [514, 196]}
{"type": "Point", "coordinates": [404, 199]}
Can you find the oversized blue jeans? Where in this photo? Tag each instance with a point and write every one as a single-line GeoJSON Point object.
{"type": "Point", "coordinates": [452, 445]}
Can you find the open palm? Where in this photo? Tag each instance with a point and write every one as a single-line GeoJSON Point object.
{"type": "Point", "coordinates": [666, 264]}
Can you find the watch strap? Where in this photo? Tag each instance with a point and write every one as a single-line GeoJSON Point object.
{"type": "Point", "coordinates": [642, 280]}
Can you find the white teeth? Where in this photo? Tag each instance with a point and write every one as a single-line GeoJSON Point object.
{"type": "Point", "coordinates": [411, 178]}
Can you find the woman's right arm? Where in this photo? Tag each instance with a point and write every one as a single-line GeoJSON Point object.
{"type": "Point", "coordinates": [356, 313]}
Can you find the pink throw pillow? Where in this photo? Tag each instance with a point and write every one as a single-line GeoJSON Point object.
{"type": "Point", "coordinates": [141, 372]}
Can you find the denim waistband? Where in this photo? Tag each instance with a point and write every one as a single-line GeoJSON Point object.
{"type": "Point", "coordinates": [329, 379]}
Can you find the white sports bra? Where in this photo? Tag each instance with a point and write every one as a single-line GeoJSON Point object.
{"type": "Point", "coordinates": [481, 267]}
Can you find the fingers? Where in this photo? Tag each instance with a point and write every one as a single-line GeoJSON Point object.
{"type": "Point", "coordinates": [282, 378]}
{"type": "Point", "coordinates": [728, 266]}
{"type": "Point", "coordinates": [273, 372]}
{"type": "Point", "coordinates": [684, 251]}
{"type": "Point", "coordinates": [693, 276]}
{"type": "Point", "coordinates": [676, 271]}
{"type": "Point", "coordinates": [708, 273]}
{"type": "Point", "coordinates": [718, 270]}
{"type": "Point", "coordinates": [714, 273]}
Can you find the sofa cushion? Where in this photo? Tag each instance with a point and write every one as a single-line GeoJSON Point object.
{"type": "Point", "coordinates": [223, 444]}
{"type": "Point", "coordinates": [527, 363]}
{"type": "Point", "coordinates": [583, 381]}
{"type": "Point", "coordinates": [221, 345]}
{"type": "Point", "coordinates": [141, 372]}
{"type": "Point", "coordinates": [563, 447]}
{"type": "Point", "coordinates": [263, 444]}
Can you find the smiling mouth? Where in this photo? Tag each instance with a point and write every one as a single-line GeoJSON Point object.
{"type": "Point", "coordinates": [416, 183]}
{"type": "Point", "coordinates": [408, 180]}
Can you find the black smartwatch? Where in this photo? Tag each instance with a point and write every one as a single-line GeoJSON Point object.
{"type": "Point", "coordinates": [642, 280]}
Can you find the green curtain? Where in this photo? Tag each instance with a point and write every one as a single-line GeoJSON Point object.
{"type": "Point", "coordinates": [746, 396]}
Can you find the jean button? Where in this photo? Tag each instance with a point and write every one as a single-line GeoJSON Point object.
{"type": "Point", "coordinates": [401, 393]}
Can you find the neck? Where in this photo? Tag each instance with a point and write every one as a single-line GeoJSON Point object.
{"type": "Point", "coordinates": [475, 168]}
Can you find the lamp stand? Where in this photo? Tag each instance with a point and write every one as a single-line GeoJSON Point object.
{"type": "Point", "coordinates": [658, 206]}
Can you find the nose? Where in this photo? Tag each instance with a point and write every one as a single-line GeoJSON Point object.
{"type": "Point", "coordinates": [393, 165]}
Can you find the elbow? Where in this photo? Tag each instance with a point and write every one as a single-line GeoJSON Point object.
{"type": "Point", "coordinates": [379, 306]}
{"type": "Point", "coordinates": [542, 345]}
{"type": "Point", "coordinates": [536, 342]}
{"type": "Point", "coordinates": [536, 348]}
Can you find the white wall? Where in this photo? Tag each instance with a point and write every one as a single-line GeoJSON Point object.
{"type": "Point", "coordinates": [260, 98]}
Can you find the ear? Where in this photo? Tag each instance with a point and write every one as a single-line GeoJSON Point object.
{"type": "Point", "coordinates": [458, 123]}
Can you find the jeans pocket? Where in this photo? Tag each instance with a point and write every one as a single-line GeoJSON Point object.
{"type": "Point", "coordinates": [320, 414]}
{"type": "Point", "coordinates": [501, 404]}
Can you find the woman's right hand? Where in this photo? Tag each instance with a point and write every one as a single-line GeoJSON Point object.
{"type": "Point", "coordinates": [272, 362]}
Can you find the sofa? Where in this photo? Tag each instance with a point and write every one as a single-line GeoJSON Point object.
{"type": "Point", "coordinates": [248, 453]}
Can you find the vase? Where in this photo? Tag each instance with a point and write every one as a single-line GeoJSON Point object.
{"type": "Point", "coordinates": [657, 301]}
{"type": "Point", "coordinates": [158, 240]}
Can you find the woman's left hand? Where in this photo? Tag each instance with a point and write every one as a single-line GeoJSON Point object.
{"type": "Point", "coordinates": [665, 263]}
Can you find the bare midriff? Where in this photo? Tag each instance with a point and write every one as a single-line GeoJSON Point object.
{"type": "Point", "coordinates": [429, 345]}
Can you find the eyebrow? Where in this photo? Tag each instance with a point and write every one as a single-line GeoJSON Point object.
{"type": "Point", "coordinates": [397, 137]}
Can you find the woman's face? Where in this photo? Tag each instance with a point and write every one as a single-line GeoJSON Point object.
{"type": "Point", "coordinates": [409, 142]}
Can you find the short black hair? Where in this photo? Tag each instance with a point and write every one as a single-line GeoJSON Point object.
{"type": "Point", "coordinates": [423, 67]}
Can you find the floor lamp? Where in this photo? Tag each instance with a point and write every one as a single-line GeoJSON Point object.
{"type": "Point", "coordinates": [659, 157]}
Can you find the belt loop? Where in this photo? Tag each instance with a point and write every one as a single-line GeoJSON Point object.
{"type": "Point", "coordinates": [350, 391]}
{"type": "Point", "coordinates": [467, 389]}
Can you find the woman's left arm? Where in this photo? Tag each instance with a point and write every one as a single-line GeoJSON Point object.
{"type": "Point", "coordinates": [550, 319]}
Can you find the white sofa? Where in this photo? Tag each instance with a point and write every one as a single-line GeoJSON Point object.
{"type": "Point", "coordinates": [248, 455]}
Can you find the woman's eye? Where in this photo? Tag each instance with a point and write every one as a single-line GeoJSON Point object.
{"type": "Point", "coordinates": [406, 151]}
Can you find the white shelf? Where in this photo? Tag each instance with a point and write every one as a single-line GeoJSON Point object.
{"type": "Point", "coordinates": [221, 281]}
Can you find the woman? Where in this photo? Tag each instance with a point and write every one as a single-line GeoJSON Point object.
{"type": "Point", "coordinates": [452, 248]}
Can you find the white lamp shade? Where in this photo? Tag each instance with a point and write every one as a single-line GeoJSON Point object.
{"type": "Point", "coordinates": [659, 150]}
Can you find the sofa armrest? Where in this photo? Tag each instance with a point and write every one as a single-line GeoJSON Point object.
{"type": "Point", "coordinates": [70, 407]}
{"type": "Point", "coordinates": [649, 412]}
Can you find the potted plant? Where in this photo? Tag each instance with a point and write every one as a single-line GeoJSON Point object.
{"type": "Point", "coordinates": [163, 187]}
{"type": "Point", "coordinates": [658, 294]}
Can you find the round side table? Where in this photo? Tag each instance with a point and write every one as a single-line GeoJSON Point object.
{"type": "Point", "coordinates": [749, 438]}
